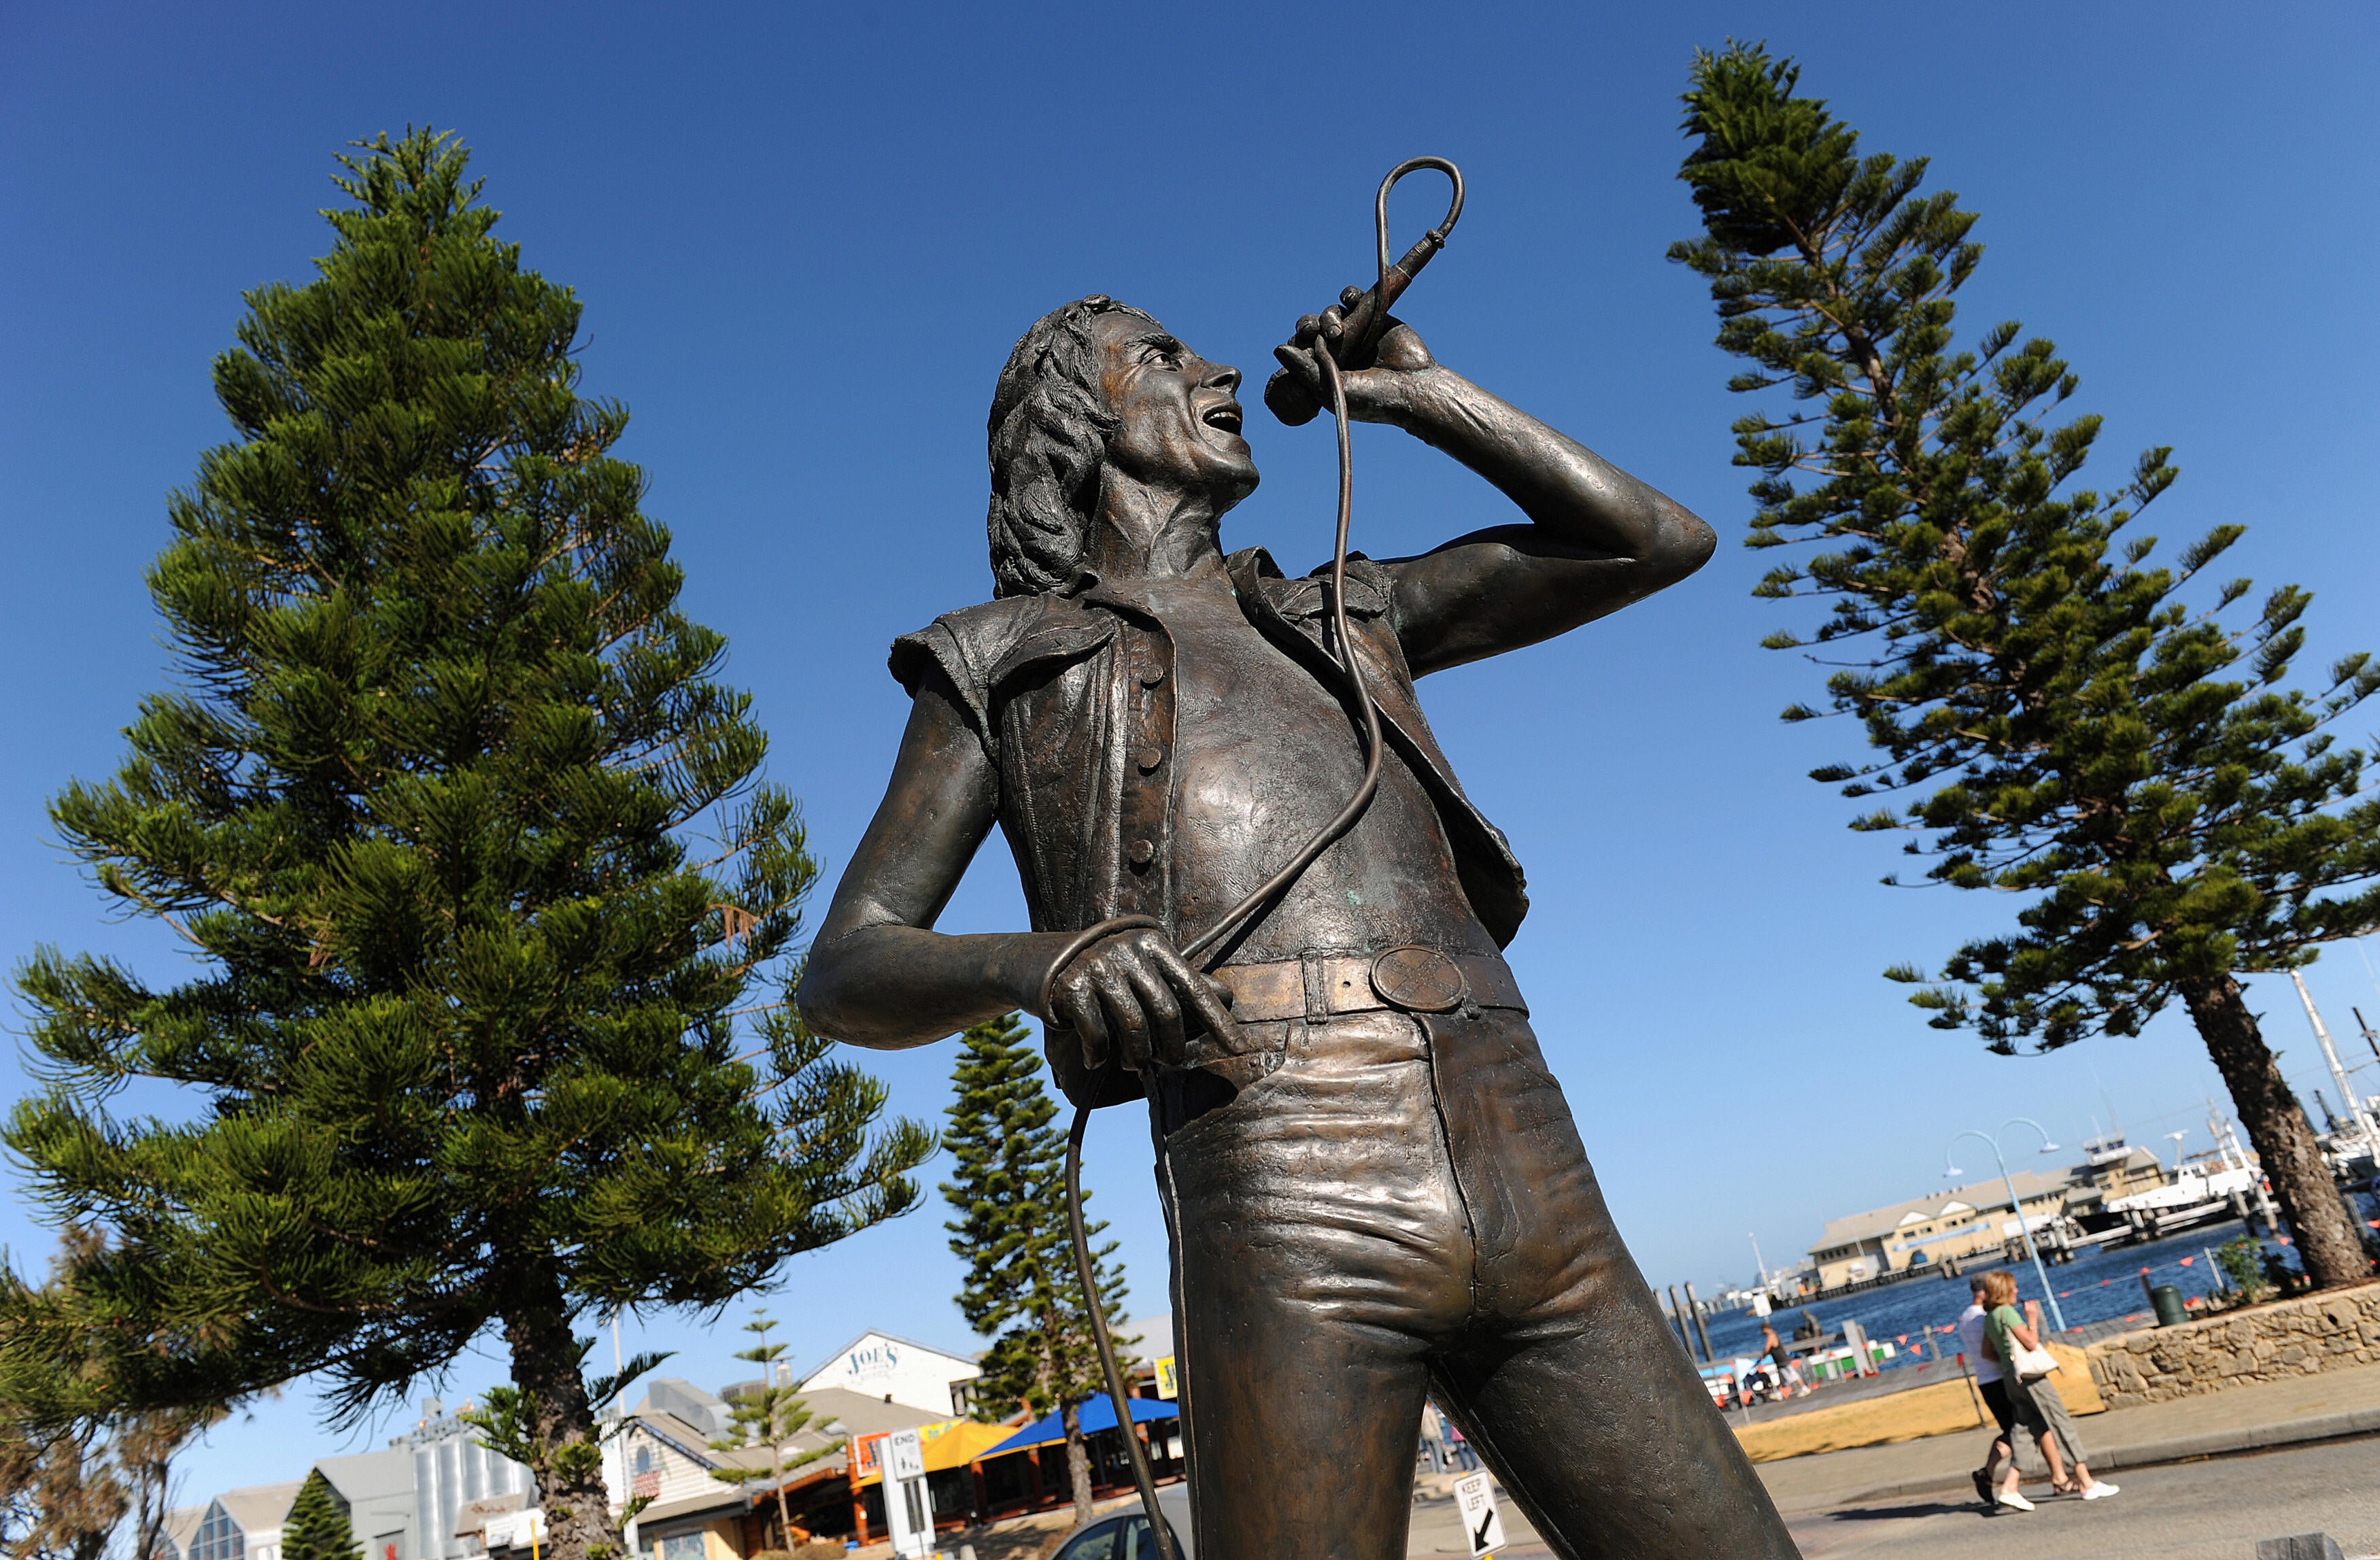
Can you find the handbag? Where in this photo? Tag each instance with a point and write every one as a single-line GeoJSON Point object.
{"type": "Point", "coordinates": [2032, 1364]}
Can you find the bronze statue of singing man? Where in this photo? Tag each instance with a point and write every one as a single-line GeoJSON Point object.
{"type": "Point", "coordinates": [1375, 1188]}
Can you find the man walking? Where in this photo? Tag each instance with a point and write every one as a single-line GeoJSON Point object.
{"type": "Point", "coordinates": [1973, 1341]}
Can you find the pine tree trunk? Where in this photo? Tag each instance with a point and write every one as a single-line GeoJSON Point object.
{"type": "Point", "coordinates": [2278, 1128]}
{"type": "Point", "coordinates": [777, 1473]}
{"type": "Point", "coordinates": [561, 1422]}
{"type": "Point", "coordinates": [1078, 1462]}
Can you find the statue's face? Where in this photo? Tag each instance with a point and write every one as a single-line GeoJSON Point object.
{"type": "Point", "coordinates": [1180, 415]}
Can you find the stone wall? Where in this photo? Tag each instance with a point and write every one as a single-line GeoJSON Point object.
{"type": "Point", "coordinates": [2265, 1343]}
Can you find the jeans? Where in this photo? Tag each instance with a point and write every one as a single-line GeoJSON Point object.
{"type": "Point", "coordinates": [1403, 1209]}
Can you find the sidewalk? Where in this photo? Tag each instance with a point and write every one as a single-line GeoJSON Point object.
{"type": "Point", "coordinates": [2324, 1407]}
{"type": "Point", "coordinates": [2310, 1409]}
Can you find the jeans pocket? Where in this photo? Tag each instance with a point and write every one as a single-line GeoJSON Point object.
{"type": "Point", "coordinates": [1208, 1101]}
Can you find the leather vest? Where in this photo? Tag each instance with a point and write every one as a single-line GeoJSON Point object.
{"type": "Point", "coordinates": [1071, 692]}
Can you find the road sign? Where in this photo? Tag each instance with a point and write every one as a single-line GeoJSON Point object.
{"type": "Point", "coordinates": [908, 1502]}
{"type": "Point", "coordinates": [1169, 1379]}
{"type": "Point", "coordinates": [1475, 1504]}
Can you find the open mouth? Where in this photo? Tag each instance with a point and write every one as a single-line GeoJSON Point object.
{"type": "Point", "coordinates": [1226, 416]}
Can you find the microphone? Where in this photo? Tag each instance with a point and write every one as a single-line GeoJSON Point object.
{"type": "Point", "coordinates": [1290, 398]}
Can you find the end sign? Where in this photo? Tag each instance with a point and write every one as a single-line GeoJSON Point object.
{"type": "Point", "coordinates": [904, 1454]}
{"type": "Point", "coordinates": [1475, 1504]}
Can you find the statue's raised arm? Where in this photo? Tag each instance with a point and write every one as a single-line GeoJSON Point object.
{"type": "Point", "coordinates": [1596, 538]}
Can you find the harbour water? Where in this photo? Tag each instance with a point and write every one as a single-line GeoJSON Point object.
{"type": "Point", "coordinates": [2104, 1285]}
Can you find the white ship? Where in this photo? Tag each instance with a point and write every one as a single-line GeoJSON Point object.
{"type": "Point", "coordinates": [2218, 1184]}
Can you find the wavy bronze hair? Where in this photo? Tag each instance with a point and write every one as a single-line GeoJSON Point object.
{"type": "Point", "coordinates": [1049, 429]}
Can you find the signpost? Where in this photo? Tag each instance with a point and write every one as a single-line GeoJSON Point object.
{"type": "Point", "coordinates": [1856, 1335]}
{"type": "Point", "coordinates": [1475, 1504]}
{"type": "Point", "coordinates": [908, 1503]}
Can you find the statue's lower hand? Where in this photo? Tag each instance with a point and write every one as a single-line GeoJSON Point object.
{"type": "Point", "coordinates": [1135, 994]}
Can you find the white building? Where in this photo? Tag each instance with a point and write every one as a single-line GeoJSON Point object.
{"type": "Point", "coordinates": [435, 1494]}
{"type": "Point", "coordinates": [181, 1526]}
{"type": "Point", "coordinates": [666, 1445]}
{"type": "Point", "coordinates": [662, 1456]}
{"type": "Point", "coordinates": [452, 1478]}
{"type": "Point", "coordinates": [376, 1488]}
{"type": "Point", "coordinates": [244, 1524]}
{"type": "Point", "coordinates": [896, 1371]}
{"type": "Point", "coordinates": [1964, 1222]}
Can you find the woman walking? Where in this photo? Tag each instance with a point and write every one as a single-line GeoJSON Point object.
{"type": "Point", "coordinates": [2006, 1330]}
{"type": "Point", "coordinates": [1991, 1487]}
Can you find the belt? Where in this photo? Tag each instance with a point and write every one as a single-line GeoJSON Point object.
{"type": "Point", "coordinates": [1412, 980]}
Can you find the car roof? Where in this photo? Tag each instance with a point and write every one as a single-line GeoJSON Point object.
{"type": "Point", "coordinates": [1172, 1500]}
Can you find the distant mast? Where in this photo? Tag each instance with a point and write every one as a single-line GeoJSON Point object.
{"type": "Point", "coordinates": [2356, 1115]}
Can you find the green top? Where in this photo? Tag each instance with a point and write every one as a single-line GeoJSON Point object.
{"type": "Point", "coordinates": [1997, 1326]}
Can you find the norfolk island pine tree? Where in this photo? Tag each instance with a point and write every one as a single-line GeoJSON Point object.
{"type": "Point", "coordinates": [497, 921]}
{"type": "Point", "coordinates": [2133, 766]}
{"type": "Point", "coordinates": [1009, 1192]}
{"type": "Point", "coordinates": [317, 1527]}
{"type": "Point", "coordinates": [767, 1417]}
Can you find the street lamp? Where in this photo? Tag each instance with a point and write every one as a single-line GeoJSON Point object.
{"type": "Point", "coordinates": [2016, 1203]}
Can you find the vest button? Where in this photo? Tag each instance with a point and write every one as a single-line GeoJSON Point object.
{"type": "Point", "coordinates": [1151, 675]}
{"type": "Point", "coordinates": [1148, 758]}
{"type": "Point", "coordinates": [1142, 853]}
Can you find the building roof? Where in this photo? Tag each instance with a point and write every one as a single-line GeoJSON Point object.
{"type": "Point", "coordinates": [690, 1404]}
{"type": "Point", "coordinates": [689, 1439]}
{"type": "Point", "coordinates": [849, 1343]}
{"type": "Point", "coordinates": [836, 1463]}
{"type": "Point", "coordinates": [860, 1414]}
{"type": "Point", "coordinates": [853, 1414]}
{"type": "Point", "coordinates": [368, 1475]}
{"type": "Point", "coordinates": [728, 1497]}
{"type": "Point", "coordinates": [1979, 1197]}
{"type": "Point", "coordinates": [753, 1460]}
{"type": "Point", "coordinates": [1147, 1336]}
{"type": "Point", "coordinates": [260, 1508]}
{"type": "Point", "coordinates": [181, 1525]}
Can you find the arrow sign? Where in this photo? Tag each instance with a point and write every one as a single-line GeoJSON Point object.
{"type": "Point", "coordinates": [1476, 1503]}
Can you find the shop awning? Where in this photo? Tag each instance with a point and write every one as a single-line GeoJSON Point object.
{"type": "Point", "coordinates": [1097, 1414]}
{"type": "Point", "coordinates": [953, 1443]}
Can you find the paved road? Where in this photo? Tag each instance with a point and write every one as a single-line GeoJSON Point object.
{"type": "Point", "coordinates": [2211, 1510]}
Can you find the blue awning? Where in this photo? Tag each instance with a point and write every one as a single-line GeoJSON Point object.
{"type": "Point", "coordinates": [1097, 1414]}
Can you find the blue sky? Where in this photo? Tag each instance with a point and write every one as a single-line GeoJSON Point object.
{"type": "Point", "coordinates": [806, 236]}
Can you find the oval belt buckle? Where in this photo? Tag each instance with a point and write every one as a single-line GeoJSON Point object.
{"type": "Point", "coordinates": [1419, 981]}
